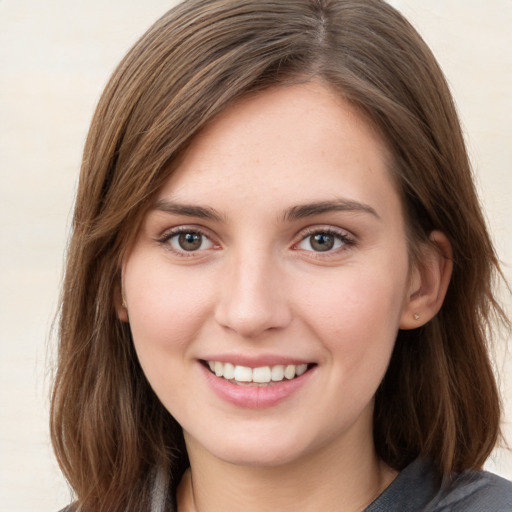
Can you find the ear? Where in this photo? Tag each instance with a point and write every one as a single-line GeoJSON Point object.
{"type": "Point", "coordinates": [120, 302]}
{"type": "Point", "coordinates": [428, 282]}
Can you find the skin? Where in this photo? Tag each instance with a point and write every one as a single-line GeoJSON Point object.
{"type": "Point", "coordinates": [256, 286]}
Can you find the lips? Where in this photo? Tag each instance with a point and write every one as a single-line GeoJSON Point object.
{"type": "Point", "coordinates": [256, 384]}
{"type": "Point", "coordinates": [259, 375]}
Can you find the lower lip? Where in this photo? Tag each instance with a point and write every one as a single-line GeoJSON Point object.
{"type": "Point", "coordinates": [255, 397]}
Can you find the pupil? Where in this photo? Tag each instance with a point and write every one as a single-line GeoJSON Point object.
{"type": "Point", "coordinates": [322, 242]}
{"type": "Point", "coordinates": [190, 241]}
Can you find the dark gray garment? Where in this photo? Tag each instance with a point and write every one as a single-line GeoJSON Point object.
{"type": "Point", "coordinates": [419, 489]}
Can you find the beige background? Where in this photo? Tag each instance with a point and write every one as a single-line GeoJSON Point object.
{"type": "Point", "coordinates": [55, 57]}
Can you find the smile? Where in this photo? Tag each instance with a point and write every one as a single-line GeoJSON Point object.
{"type": "Point", "coordinates": [244, 375]}
{"type": "Point", "coordinates": [256, 385]}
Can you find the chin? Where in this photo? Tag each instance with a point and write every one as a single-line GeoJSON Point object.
{"type": "Point", "coordinates": [257, 450]}
{"type": "Point", "coordinates": [262, 456]}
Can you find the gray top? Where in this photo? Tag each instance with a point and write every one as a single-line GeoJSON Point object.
{"type": "Point", "coordinates": [419, 489]}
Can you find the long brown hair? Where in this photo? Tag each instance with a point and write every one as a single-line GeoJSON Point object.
{"type": "Point", "coordinates": [110, 432]}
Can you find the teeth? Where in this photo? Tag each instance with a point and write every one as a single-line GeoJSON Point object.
{"type": "Point", "coordinates": [301, 368]}
{"type": "Point", "coordinates": [242, 373]}
{"type": "Point", "coordinates": [260, 375]}
{"type": "Point", "coordinates": [289, 371]}
{"type": "Point", "coordinates": [229, 371]}
{"type": "Point", "coordinates": [277, 373]}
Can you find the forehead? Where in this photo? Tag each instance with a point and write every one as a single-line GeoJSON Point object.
{"type": "Point", "coordinates": [304, 142]}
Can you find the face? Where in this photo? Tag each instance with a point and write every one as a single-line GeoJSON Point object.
{"type": "Point", "coordinates": [269, 280]}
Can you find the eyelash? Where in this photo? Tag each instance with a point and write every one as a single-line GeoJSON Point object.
{"type": "Point", "coordinates": [346, 240]}
{"type": "Point", "coordinates": [175, 232]}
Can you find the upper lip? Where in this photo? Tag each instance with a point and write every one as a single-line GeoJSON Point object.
{"type": "Point", "coordinates": [255, 361]}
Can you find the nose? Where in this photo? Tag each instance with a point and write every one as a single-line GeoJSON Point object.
{"type": "Point", "coordinates": [252, 298]}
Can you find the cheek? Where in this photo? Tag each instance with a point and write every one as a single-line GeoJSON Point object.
{"type": "Point", "coordinates": [165, 309]}
{"type": "Point", "coordinates": [360, 303]}
{"type": "Point", "coordinates": [358, 311]}
{"type": "Point", "coordinates": [356, 319]}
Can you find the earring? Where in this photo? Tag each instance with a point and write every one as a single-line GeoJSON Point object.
{"type": "Point", "coordinates": [416, 316]}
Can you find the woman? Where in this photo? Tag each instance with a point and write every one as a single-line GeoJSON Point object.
{"type": "Point", "coordinates": [279, 284]}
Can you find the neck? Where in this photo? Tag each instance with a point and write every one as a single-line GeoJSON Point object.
{"type": "Point", "coordinates": [335, 478]}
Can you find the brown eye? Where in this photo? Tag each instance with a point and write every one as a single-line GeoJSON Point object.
{"type": "Point", "coordinates": [189, 241]}
{"type": "Point", "coordinates": [323, 241]}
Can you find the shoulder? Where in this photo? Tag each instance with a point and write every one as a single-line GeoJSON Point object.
{"type": "Point", "coordinates": [419, 488]}
{"type": "Point", "coordinates": [474, 491]}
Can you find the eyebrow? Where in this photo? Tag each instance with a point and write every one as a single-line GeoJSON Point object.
{"type": "Point", "coordinates": [294, 213]}
{"type": "Point", "coordinates": [187, 210]}
{"type": "Point", "coordinates": [317, 208]}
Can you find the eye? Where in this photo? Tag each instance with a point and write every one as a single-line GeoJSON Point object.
{"type": "Point", "coordinates": [187, 241]}
{"type": "Point", "coordinates": [324, 241]}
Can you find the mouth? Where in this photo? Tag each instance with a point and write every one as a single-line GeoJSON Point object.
{"type": "Point", "coordinates": [261, 376]}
